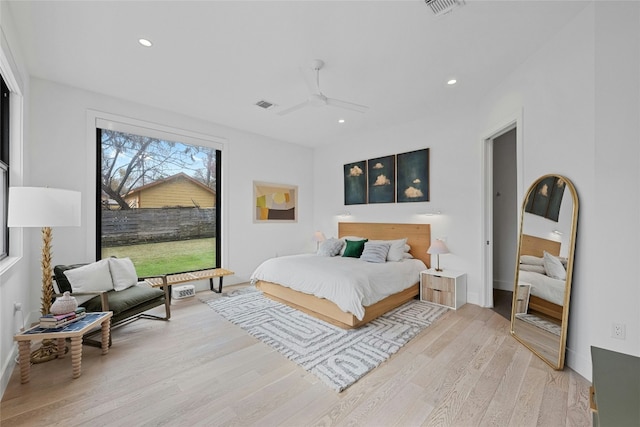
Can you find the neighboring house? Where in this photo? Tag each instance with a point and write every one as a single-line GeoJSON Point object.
{"type": "Point", "coordinates": [179, 190]}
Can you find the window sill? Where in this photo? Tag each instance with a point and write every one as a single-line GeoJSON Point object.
{"type": "Point", "coordinates": [7, 263]}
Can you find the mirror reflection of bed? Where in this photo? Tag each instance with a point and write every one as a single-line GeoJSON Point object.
{"type": "Point", "coordinates": [538, 313]}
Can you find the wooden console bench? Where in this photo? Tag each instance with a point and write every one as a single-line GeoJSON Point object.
{"type": "Point", "coordinates": [192, 276]}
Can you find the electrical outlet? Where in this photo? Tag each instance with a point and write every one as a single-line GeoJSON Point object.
{"type": "Point", "coordinates": [618, 330]}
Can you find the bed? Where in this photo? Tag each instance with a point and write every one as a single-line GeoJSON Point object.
{"type": "Point", "coordinates": [418, 238]}
{"type": "Point", "coordinates": [547, 294]}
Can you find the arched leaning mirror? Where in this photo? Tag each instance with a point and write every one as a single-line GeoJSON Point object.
{"type": "Point", "coordinates": [544, 267]}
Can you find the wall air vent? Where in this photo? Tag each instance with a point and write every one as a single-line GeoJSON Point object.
{"type": "Point", "coordinates": [440, 7]}
{"type": "Point", "coordinates": [264, 104]}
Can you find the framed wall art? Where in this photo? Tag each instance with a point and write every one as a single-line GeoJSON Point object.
{"type": "Point", "coordinates": [275, 202]}
{"type": "Point", "coordinates": [413, 176]}
{"type": "Point", "coordinates": [382, 179]}
{"type": "Point", "coordinates": [355, 183]}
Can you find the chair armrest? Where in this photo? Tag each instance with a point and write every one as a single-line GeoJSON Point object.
{"type": "Point", "coordinates": [104, 301]}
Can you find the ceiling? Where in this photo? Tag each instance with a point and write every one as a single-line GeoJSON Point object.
{"type": "Point", "coordinates": [214, 60]}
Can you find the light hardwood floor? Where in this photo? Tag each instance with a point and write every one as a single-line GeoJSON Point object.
{"type": "Point", "coordinates": [199, 369]}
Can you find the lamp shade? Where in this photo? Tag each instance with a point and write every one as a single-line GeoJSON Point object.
{"type": "Point", "coordinates": [319, 236]}
{"type": "Point", "coordinates": [43, 207]}
{"type": "Point", "coordinates": [438, 247]}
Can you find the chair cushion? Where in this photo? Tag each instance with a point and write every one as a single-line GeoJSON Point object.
{"type": "Point", "coordinates": [92, 277]}
{"type": "Point", "coordinates": [61, 280]}
{"type": "Point", "coordinates": [121, 301]}
{"type": "Point", "coordinates": [123, 273]}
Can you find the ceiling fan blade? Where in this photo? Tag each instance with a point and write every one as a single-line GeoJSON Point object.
{"type": "Point", "coordinates": [347, 105]}
{"type": "Point", "coordinates": [310, 78]}
{"type": "Point", "coordinates": [294, 108]}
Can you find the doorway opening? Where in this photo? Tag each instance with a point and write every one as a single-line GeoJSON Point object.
{"type": "Point", "coordinates": [502, 192]}
{"type": "Point", "coordinates": [505, 220]}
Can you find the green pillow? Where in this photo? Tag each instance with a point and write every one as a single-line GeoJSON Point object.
{"type": "Point", "coordinates": [354, 248]}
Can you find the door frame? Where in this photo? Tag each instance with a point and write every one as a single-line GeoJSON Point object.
{"type": "Point", "coordinates": [507, 123]}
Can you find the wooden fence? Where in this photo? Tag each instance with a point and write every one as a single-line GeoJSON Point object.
{"type": "Point", "coordinates": [133, 226]}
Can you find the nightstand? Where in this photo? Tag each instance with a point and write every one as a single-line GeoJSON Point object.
{"type": "Point", "coordinates": [446, 287]}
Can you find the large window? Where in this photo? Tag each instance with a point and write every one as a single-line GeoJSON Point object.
{"type": "Point", "coordinates": [4, 165]}
{"type": "Point", "coordinates": [159, 202]}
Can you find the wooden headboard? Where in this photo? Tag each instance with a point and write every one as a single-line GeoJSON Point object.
{"type": "Point", "coordinates": [418, 235]}
{"type": "Point", "coordinates": [531, 245]}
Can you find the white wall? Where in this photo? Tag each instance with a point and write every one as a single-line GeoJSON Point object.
{"type": "Point", "coordinates": [60, 153]}
{"type": "Point", "coordinates": [60, 142]}
{"type": "Point", "coordinates": [14, 269]}
{"type": "Point", "coordinates": [579, 97]}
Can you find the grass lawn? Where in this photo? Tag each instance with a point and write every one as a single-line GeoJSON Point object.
{"type": "Point", "coordinates": [170, 257]}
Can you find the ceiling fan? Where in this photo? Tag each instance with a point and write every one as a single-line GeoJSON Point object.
{"type": "Point", "coordinates": [317, 98]}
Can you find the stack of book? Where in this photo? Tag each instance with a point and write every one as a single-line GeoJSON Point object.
{"type": "Point", "coordinates": [50, 321]}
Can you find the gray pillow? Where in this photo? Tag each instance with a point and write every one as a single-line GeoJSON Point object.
{"type": "Point", "coordinates": [330, 247]}
{"type": "Point", "coordinates": [375, 252]}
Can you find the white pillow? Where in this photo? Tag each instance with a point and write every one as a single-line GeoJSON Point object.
{"type": "Point", "coordinates": [531, 260]}
{"type": "Point", "coordinates": [330, 247]}
{"type": "Point", "coordinates": [375, 252]}
{"type": "Point", "coordinates": [533, 268]}
{"type": "Point", "coordinates": [344, 242]}
{"type": "Point", "coordinates": [554, 267]}
{"type": "Point", "coordinates": [397, 248]}
{"type": "Point", "coordinates": [90, 278]}
{"type": "Point", "coordinates": [123, 273]}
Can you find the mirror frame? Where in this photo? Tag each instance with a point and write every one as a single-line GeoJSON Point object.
{"type": "Point", "coordinates": [555, 364]}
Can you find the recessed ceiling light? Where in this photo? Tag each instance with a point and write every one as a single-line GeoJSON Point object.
{"type": "Point", "coordinates": [340, 120]}
{"type": "Point", "coordinates": [452, 82]}
{"type": "Point", "coordinates": [145, 42]}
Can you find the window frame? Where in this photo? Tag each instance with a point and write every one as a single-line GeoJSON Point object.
{"type": "Point", "coordinates": [99, 120]}
{"type": "Point", "coordinates": [5, 161]}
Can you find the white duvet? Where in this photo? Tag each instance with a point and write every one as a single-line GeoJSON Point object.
{"type": "Point", "coordinates": [350, 283]}
{"type": "Point", "coordinates": [543, 286]}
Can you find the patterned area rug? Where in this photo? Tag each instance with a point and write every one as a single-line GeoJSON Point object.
{"type": "Point", "coordinates": [540, 323]}
{"type": "Point", "coordinates": [337, 356]}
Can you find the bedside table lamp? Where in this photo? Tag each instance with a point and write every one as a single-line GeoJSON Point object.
{"type": "Point", "coordinates": [318, 237]}
{"type": "Point", "coordinates": [45, 208]}
{"type": "Point", "coordinates": [438, 247]}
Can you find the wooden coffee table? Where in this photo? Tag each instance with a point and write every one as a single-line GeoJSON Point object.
{"type": "Point", "coordinates": [74, 331]}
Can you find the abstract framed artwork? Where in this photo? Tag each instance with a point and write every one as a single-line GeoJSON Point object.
{"type": "Point", "coordinates": [355, 183]}
{"type": "Point", "coordinates": [381, 177]}
{"type": "Point", "coordinates": [275, 202]}
{"type": "Point", "coordinates": [413, 176]}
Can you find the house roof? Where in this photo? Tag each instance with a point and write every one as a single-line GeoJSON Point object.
{"type": "Point", "coordinates": [180, 175]}
{"type": "Point", "coordinates": [218, 58]}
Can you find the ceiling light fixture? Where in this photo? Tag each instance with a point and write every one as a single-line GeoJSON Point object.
{"type": "Point", "coordinates": [452, 82]}
{"type": "Point", "coordinates": [340, 120]}
{"type": "Point", "coordinates": [145, 42]}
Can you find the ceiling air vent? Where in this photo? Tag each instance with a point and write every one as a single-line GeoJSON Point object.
{"type": "Point", "coordinates": [264, 104]}
{"type": "Point", "coordinates": [440, 7]}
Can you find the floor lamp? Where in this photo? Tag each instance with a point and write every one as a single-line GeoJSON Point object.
{"type": "Point", "coordinates": [44, 208]}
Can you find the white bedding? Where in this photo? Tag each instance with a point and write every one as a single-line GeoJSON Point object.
{"type": "Point", "coordinates": [543, 286]}
{"type": "Point", "coordinates": [350, 283]}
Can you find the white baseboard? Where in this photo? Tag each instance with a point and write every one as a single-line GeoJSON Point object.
{"type": "Point", "coordinates": [8, 368]}
{"type": "Point", "coordinates": [579, 363]}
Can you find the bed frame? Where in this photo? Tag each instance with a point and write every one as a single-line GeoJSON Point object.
{"type": "Point", "coordinates": [531, 245]}
{"type": "Point", "coordinates": [418, 237]}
